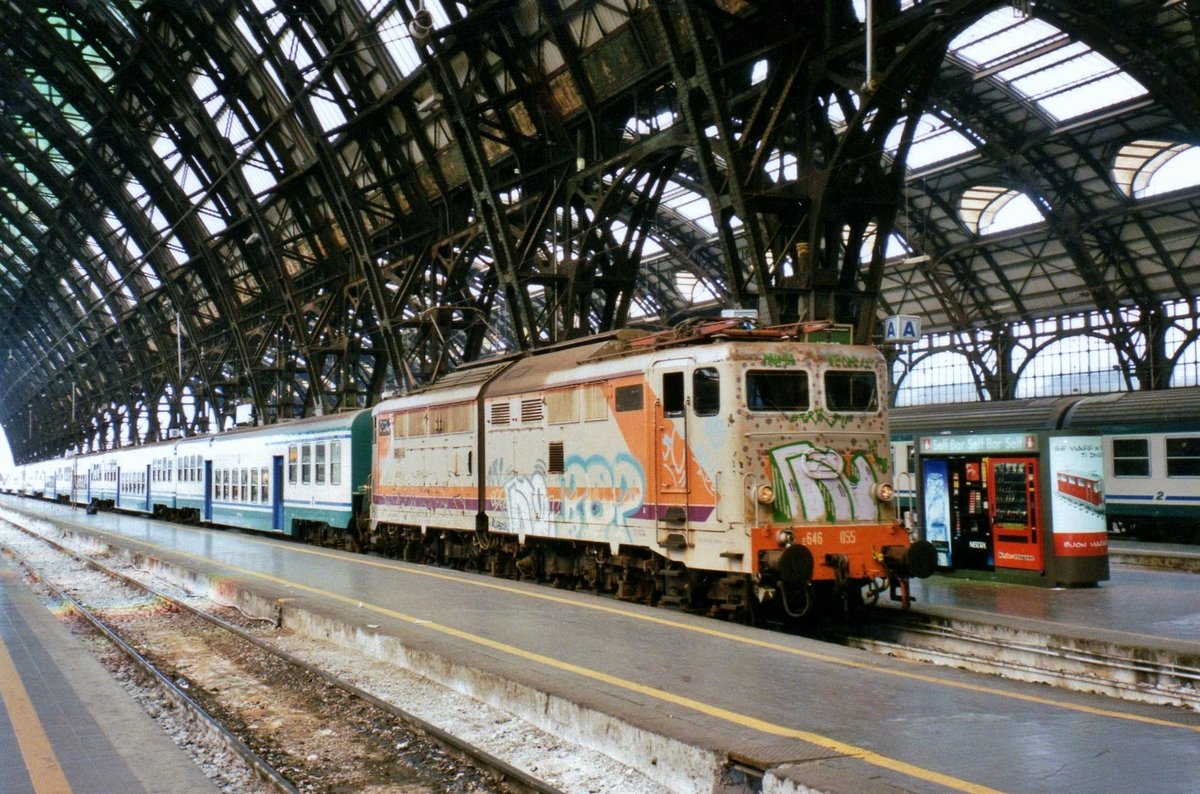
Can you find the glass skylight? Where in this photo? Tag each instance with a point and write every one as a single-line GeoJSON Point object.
{"type": "Point", "coordinates": [1149, 168]}
{"type": "Point", "coordinates": [1064, 78]}
{"type": "Point", "coordinates": [989, 210]}
{"type": "Point", "coordinates": [935, 141]}
{"type": "Point", "coordinates": [690, 205]}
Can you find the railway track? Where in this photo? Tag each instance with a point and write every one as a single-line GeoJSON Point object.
{"type": "Point", "coordinates": [294, 727]}
{"type": "Point", "coordinates": [1102, 665]}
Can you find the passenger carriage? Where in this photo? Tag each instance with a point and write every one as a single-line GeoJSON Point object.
{"type": "Point", "coordinates": [296, 478]}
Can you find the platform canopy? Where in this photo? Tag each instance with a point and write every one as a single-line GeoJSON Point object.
{"type": "Point", "coordinates": [265, 209]}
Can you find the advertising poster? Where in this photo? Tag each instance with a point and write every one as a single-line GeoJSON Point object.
{"type": "Point", "coordinates": [936, 490]}
{"type": "Point", "coordinates": [1077, 503]}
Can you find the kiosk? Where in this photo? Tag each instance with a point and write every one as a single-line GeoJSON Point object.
{"type": "Point", "coordinates": [1026, 504]}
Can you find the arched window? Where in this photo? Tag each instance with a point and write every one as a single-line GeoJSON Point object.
{"type": "Point", "coordinates": [1149, 168]}
{"type": "Point", "coordinates": [989, 209]}
{"type": "Point", "coordinates": [1080, 364]}
{"type": "Point", "coordinates": [1185, 349]}
{"type": "Point", "coordinates": [943, 377]}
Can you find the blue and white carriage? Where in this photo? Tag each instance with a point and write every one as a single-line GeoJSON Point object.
{"type": "Point", "coordinates": [297, 478]}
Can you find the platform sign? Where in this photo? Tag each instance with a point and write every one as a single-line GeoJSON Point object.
{"type": "Point", "coordinates": [902, 328]}
{"type": "Point", "coordinates": [1077, 507]}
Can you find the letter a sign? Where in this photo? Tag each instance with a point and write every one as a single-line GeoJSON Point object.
{"type": "Point", "coordinates": [901, 328]}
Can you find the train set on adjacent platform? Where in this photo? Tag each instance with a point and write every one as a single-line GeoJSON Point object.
{"type": "Point", "coordinates": [719, 467]}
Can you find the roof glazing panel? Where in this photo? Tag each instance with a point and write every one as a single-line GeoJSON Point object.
{"type": "Point", "coordinates": [1147, 168]}
{"type": "Point", "coordinates": [1065, 79]}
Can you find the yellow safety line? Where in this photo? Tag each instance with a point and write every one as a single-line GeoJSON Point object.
{"type": "Point", "coordinates": [44, 769]}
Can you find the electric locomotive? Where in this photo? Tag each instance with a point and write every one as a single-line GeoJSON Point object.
{"type": "Point", "coordinates": [717, 467]}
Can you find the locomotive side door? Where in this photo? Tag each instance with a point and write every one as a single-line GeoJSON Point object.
{"type": "Point", "coordinates": [672, 455]}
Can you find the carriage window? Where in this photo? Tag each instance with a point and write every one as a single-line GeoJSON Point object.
{"type": "Point", "coordinates": [335, 463]}
{"type": "Point", "coordinates": [293, 455]}
{"type": "Point", "coordinates": [706, 392]}
{"type": "Point", "coordinates": [777, 390]}
{"type": "Point", "coordinates": [1131, 457]}
{"type": "Point", "coordinates": [266, 480]}
{"type": "Point", "coordinates": [1183, 457]}
{"type": "Point", "coordinates": [320, 464]}
{"type": "Point", "coordinates": [254, 485]}
{"type": "Point", "coordinates": [306, 464]}
{"type": "Point", "coordinates": [851, 391]}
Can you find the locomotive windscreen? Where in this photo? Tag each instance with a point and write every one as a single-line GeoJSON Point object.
{"type": "Point", "coordinates": [776, 390]}
{"type": "Point", "coordinates": [851, 391]}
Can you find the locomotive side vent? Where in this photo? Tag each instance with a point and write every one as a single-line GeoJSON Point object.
{"type": "Point", "coordinates": [501, 413]}
{"type": "Point", "coordinates": [531, 410]}
{"type": "Point", "coordinates": [555, 464]}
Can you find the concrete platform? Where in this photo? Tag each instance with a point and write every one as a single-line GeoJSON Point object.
{"type": "Point", "coordinates": [65, 725]}
{"type": "Point", "coordinates": [677, 695]}
{"type": "Point", "coordinates": [1163, 556]}
{"type": "Point", "coordinates": [1156, 609]}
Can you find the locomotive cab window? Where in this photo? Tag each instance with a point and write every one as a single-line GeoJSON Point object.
{"type": "Point", "coordinates": [1131, 457]}
{"type": "Point", "coordinates": [777, 390]}
{"type": "Point", "coordinates": [1183, 457]}
{"type": "Point", "coordinates": [706, 392]}
{"type": "Point", "coordinates": [851, 391]}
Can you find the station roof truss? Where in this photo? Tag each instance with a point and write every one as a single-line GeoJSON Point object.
{"type": "Point", "coordinates": [300, 205]}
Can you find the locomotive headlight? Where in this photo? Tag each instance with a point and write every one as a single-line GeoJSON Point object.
{"type": "Point", "coordinates": [884, 492]}
{"type": "Point", "coordinates": [786, 537]}
{"type": "Point", "coordinates": [766, 494]}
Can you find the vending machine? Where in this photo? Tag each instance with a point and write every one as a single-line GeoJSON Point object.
{"type": "Point", "coordinates": [1009, 502]}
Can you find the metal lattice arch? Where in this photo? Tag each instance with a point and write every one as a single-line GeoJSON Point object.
{"type": "Point", "coordinates": [255, 210]}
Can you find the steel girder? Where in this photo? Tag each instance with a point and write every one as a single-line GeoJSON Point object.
{"type": "Point", "coordinates": [329, 222]}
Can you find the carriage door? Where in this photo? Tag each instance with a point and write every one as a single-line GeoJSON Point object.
{"type": "Point", "coordinates": [672, 457]}
{"type": "Point", "coordinates": [208, 490]}
{"type": "Point", "coordinates": [277, 492]}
